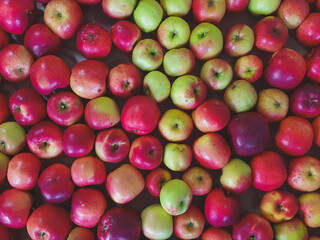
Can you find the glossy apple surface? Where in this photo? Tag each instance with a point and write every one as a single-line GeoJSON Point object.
{"type": "Point", "coordinates": [199, 180]}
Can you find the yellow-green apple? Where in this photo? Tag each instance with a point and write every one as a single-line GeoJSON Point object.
{"type": "Point", "coordinates": [147, 55]}
{"type": "Point", "coordinates": [49, 73]}
{"type": "Point", "coordinates": [249, 68]}
{"type": "Point", "coordinates": [263, 7]}
{"type": "Point", "coordinates": [271, 34]}
{"type": "Point", "coordinates": [236, 176]}
{"type": "Point", "coordinates": [206, 41]}
{"type": "Point", "coordinates": [238, 40]}
{"type": "Point", "coordinates": [268, 170]}
{"type": "Point", "coordinates": [88, 170]}
{"type": "Point", "coordinates": [63, 17]}
{"type": "Point", "coordinates": [222, 209]}
{"type": "Point", "coordinates": [175, 125]}
{"type": "Point", "coordinates": [178, 8]}
{"type": "Point", "coordinates": [112, 145]}
{"type": "Point", "coordinates": [87, 206]}
{"type": "Point", "coordinates": [124, 80]}
{"type": "Point", "coordinates": [285, 69]}
{"type": "Point", "coordinates": [293, 229]}
{"type": "Point", "coordinates": [15, 62]}
{"type": "Point", "coordinates": [215, 234]}
{"type": "Point", "coordinates": [23, 171]}
{"type": "Point", "coordinates": [80, 233]}
{"type": "Point", "coordinates": [124, 183]}
{"type": "Point", "coordinates": [157, 86]}
{"type": "Point", "coordinates": [101, 113]}
{"type": "Point", "coordinates": [146, 152]}
{"type": "Point", "coordinates": [310, 209]}
{"type": "Point", "coordinates": [236, 5]}
{"type": "Point", "coordinates": [156, 223]}
{"type": "Point", "coordinates": [4, 38]}
{"type": "Point", "coordinates": [148, 15]}
{"type": "Point", "coordinates": [134, 118]}
{"type": "Point", "coordinates": [177, 157]}
{"type": "Point", "coordinates": [93, 41]}
{"type": "Point", "coordinates": [316, 130]}
{"type": "Point", "coordinates": [4, 108]}
{"type": "Point", "coordinates": [211, 11]}
{"type": "Point", "coordinates": [118, 9]}
{"type": "Point", "coordinates": [293, 12]}
{"type": "Point", "coordinates": [240, 96]}
{"type": "Point", "coordinates": [175, 197]}
{"type": "Point", "coordinates": [156, 179]}
{"type": "Point", "coordinates": [249, 133]}
{"type": "Point", "coordinates": [173, 32]}
{"type": "Point", "coordinates": [188, 92]}
{"type": "Point", "coordinates": [12, 138]}
{"type": "Point", "coordinates": [273, 104]}
{"type": "Point", "coordinates": [211, 151]}
{"type": "Point", "coordinates": [279, 205]}
{"type": "Point", "coordinates": [312, 59]}
{"type": "Point", "coordinates": [125, 35]}
{"type": "Point", "coordinates": [173, 58]}
{"type": "Point", "coordinates": [304, 174]}
{"type": "Point", "coordinates": [4, 161]}
{"type": "Point", "coordinates": [211, 116]}
{"type": "Point", "coordinates": [190, 224]}
{"type": "Point", "coordinates": [309, 30]}
{"type": "Point", "coordinates": [217, 74]}
{"type": "Point", "coordinates": [199, 180]}
{"type": "Point", "coordinates": [252, 226]}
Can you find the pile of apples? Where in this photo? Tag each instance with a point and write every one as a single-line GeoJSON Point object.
{"type": "Point", "coordinates": [126, 119]}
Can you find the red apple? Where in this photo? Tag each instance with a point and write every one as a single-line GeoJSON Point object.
{"type": "Point", "coordinates": [312, 59]}
{"type": "Point", "coordinates": [249, 68]}
{"type": "Point", "coordinates": [316, 130]}
{"type": "Point", "coordinates": [156, 179]}
{"type": "Point", "coordinates": [4, 108]}
{"type": "Point", "coordinates": [80, 233]}
{"type": "Point", "coordinates": [215, 234]}
{"type": "Point", "coordinates": [236, 5]}
{"type": "Point", "coordinates": [4, 38]}
{"type": "Point", "coordinates": [118, 10]}
{"type": "Point", "coordinates": [309, 31]}
{"type": "Point", "coordinates": [199, 180]}
{"type": "Point", "coordinates": [293, 12]}
{"type": "Point", "coordinates": [208, 11]}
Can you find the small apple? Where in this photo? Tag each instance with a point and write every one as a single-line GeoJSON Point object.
{"type": "Point", "coordinates": [173, 58]}
{"type": "Point", "coordinates": [215, 234]}
{"type": "Point", "coordinates": [199, 180]}
{"type": "Point", "coordinates": [157, 86]}
{"type": "Point", "coordinates": [249, 68]}
{"type": "Point", "coordinates": [12, 138]}
{"type": "Point", "coordinates": [156, 179]}
{"type": "Point", "coordinates": [293, 229]}
{"type": "Point", "coordinates": [177, 8]}
{"type": "Point", "coordinates": [310, 209]}
{"type": "Point", "coordinates": [263, 7]}
{"type": "Point", "coordinates": [208, 11]}
{"type": "Point", "coordinates": [177, 157]}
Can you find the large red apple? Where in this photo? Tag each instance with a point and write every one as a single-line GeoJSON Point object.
{"type": "Point", "coordinates": [293, 12]}
{"type": "Point", "coordinates": [199, 180]}
{"type": "Point", "coordinates": [309, 31]}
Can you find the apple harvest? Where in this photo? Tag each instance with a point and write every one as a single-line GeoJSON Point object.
{"type": "Point", "coordinates": [159, 119]}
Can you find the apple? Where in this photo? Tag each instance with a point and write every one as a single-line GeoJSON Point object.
{"type": "Point", "coordinates": [147, 55]}
{"type": "Point", "coordinates": [175, 125]}
{"type": "Point", "coordinates": [215, 234]}
{"type": "Point", "coordinates": [175, 197]}
{"type": "Point", "coordinates": [173, 32]}
{"type": "Point", "coordinates": [4, 38]}
{"type": "Point", "coordinates": [240, 96]}
{"type": "Point", "coordinates": [190, 224]}
{"type": "Point", "coordinates": [40, 41]}
{"type": "Point", "coordinates": [55, 183]}
{"type": "Point", "coordinates": [271, 34]}
{"type": "Point", "coordinates": [4, 161]}
{"type": "Point", "coordinates": [310, 209]}
{"type": "Point", "coordinates": [249, 68]}
{"type": "Point", "coordinates": [313, 64]}
{"type": "Point", "coordinates": [156, 179]}
{"type": "Point", "coordinates": [216, 73]}
{"type": "Point", "coordinates": [309, 30]}
{"type": "Point", "coordinates": [12, 138]}
{"type": "Point", "coordinates": [236, 5]}
{"type": "Point", "coordinates": [87, 171]}
{"type": "Point", "coordinates": [101, 113]}
{"type": "Point", "coordinates": [80, 233]}
{"type": "Point", "coordinates": [118, 9]}
{"type": "Point", "coordinates": [88, 79]}
{"type": "Point", "coordinates": [124, 184]}
{"type": "Point", "coordinates": [188, 92]}
{"type": "Point", "coordinates": [316, 130]}
{"type": "Point", "coordinates": [293, 229]}
{"type": "Point", "coordinates": [49, 221]}
{"type": "Point", "coordinates": [156, 223]}
{"type": "Point", "coordinates": [15, 62]}
{"type": "Point", "coordinates": [199, 180]}
{"type": "Point", "coordinates": [279, 206]}
{"type": "Point", "coordinates": [206, 41]}
{"type": "Point", "coordinates": [63, 17]}
{"type": "Point", "coordinates": [4, 108]}
{"type": "Point", "coordinates": [263, 7]}
{"type": "Point", "coordinates": [125, 35]}
{"type": "Point", "coordinates": [303, 174]}
{"type": "Point", "coordinates": [124, 80]}
{"type": "Point", "coordinates": [93, 41]}
{"type": "Point", "coordinates": [157, 86]}
{"type": "Point", "coordinates": [273, 104]}
{"type": "Point", "coordinates": [64, 108]}
{"type": "Point", "coordinates": [177, 8]}
{"type": "Point", "coordinates": [173, 57]}
{"type": "Point", "coordinates": [208, 11]}
{"type": "Point", "coordinates": [221, 209]}
{"type": "Point", "coordinates": [49, 73]}
{"type": "Point", "coordinates": [148, 15]}
{"type": "Point", "coordinates": [177, 157]}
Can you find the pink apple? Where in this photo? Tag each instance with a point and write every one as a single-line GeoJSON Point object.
{"type": "Point", "coordinates": [156, 179]}
{"type": "Point", "coordinates": [236, 5]}
{"type": "Point", "coordinates": [309, 31]}
{"type": "Point", "coordinates": [312, 59]}
{"type": "Point", "coordinates": [249, 68]}
{"type": "Point", "coordinates": [199, 180]}
{"type": "Point", "coordinates": [215, 234]}
{"type": "Point", "coordinates": [208, 11]}
{"type": "Point", "coordinates": [118, 10]}
{"type": "Point", "coordinates": [4, 108]}
{"type": "Point", "coordinates": [80, 233]}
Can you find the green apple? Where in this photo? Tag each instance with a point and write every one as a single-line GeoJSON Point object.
{"type": "Point", "coordinates": [172, 62]}
{"type": "Point", "coordinates": [240, 96]}
{"type": "Point", "coordinates": [4, 161]}
{"type": "Point", "coordinates": [156, 223]}
{"type": "Point", "coordinates": [173, 32]}
{"type": "Point", "coordinates": [12, 138]}
{"type": "Point", "coordinates": [310, 209]}
{"type": "Point", "coordinates": [157, 86]}
{"type": "Point", "coordinates": [148, 15]}
{"type": "Point", "coordinates": [177, 157]}
{"type": "Point", "coordinates": [293, 229]}
{"type": "Point", "coordinates": [263, 7]}
{"type": "Point", "coordinates": [175, 197]}
{"type": "Point", "coordinates": [178, 8]}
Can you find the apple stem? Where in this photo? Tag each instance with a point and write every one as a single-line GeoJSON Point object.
{"type": "Point", "coordinates": [252, 237]}
{"type": "Point", "coordinates": [115, 146]}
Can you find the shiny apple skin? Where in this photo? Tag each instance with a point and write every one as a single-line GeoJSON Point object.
{"type": "Point", "coordinates": [4, 108]}
{"type": "Point", "coordinates": [308, 33]}
{"type": "Point", "coordinates": [215, 234]}
{"type": "Point", "coordinates": [156, 179]}
{"type": "Point", "coordinates": [312, 59]}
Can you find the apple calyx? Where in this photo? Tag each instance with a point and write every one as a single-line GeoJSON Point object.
{"type": "Point", "coordinates": [58, 15]}
{"type": "Point", "coordinates": [63, 106]}
{"type": "Point", "coordinates": [252, 237]}
{"type": "Point", "coordinates": [44, 145]}
{"type": "Point", "coordinates": [41, 235]}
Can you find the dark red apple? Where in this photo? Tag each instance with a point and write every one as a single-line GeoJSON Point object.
{"type": "Point", "coordinates": [312, 59]}
{"type": "Point", "coordinates": [4, 108]}
{"type": "Point", "coordinates": [156, 179]}
{"type": "Point", "coordinates": [308, 33]}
